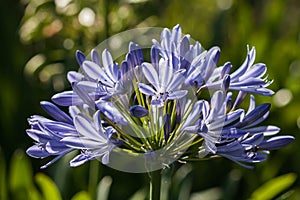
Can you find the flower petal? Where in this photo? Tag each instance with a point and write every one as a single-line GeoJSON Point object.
{"type": "Point", "coordinates": [95, 57]}
{"type": "Point", "coordinates": [80, 57]}
{"type": "Point", "coordinates": [67, 98]}
{"type": "Point", "coordinates": [55, 112]}
{"type": "Point", "coordinates": [74, 76]}
{"type": "Point", "coordinates": [138, 111]}
{"type": "Point", "coordinates": [85, 127]}
{"type": "Point", "coordinates": [151, 74]}
{"type": "Point", "coordinates": [146, 89]}
{"type": "Point", "coordinates": [276, 142]}
{"type": "Point", "coordinates": [177, 94]}
{"type": "Point", "coordinates": [110, 68]}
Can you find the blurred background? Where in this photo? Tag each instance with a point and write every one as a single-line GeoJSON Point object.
{"type": "Point", "coordinates": [38, 43]}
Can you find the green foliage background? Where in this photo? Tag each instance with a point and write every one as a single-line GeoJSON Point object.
{"type": "Point", "coordinates": [38, 43]}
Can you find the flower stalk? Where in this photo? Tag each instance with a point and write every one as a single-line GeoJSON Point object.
{"type": "Point", "coordinates": [155, 185]}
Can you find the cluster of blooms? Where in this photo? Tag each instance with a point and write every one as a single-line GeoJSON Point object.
{"type": "Point", "coordinates": [180, 101]}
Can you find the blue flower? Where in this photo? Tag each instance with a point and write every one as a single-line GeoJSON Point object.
{"type": "Point", "coordinates": [68, 133]}
{"type": "Point", "coordinates": [248, 77]}
{"type": "Point", "coordinates": [175, 48]}
{"type": "Point", "coordinates": [100, 81]}
{"type": "Point", "coordinates": [202, 68]}
{"type": "Point", "coordinates": [138, 111]}
{"type": "Point", "coordinates": [166, 82]}
{"type": "Point", "coordinates": [92, 139]}
{"type": "Point", "coordinates": [251, 148]}
{"type": "Point", "coordinates": [48, 133]}
{"type": "Point", "coordinates": [178, 105]}
{"type": "Point", "coordinates": [235, 135]}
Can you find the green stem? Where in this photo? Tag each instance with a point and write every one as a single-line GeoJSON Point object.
{"type": "Point", "coordinates": [155, 185]}
{"type": "Point", "coordinates": [93, 178]}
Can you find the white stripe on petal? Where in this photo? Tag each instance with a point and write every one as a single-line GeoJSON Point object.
{"type": "Point", "coordinates": [177, 94]}
{"type": "Point", "coordinates": [110, 68]}
{"type": "Point", "coordinates": [85, 127]}
{"type": "Point", "coordinates": [151, 74]}
{"type": "Point", "coordinates": [146, 89]}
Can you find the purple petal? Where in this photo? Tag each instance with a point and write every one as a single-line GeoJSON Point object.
{"type": "Point", "coordinates": [124, 70]}
{"type": "Point", "coordinates": [167, 126]}
{"type": "Point", "coordinates": [55, 112]}
{"type": "Point", "coordinates": [166, 39]}
{"type": "Point", "coordinates": [214, 55]}
{"type": "Point", "coordinates": [60, 129]}
{"type": "Point", "coordinates": [55, 147]}
{"type": "Point", "coordinates": [154, 56]}
{"type": "Point", "coordinates": [257, 70]}
{"type": "Point", "coordinates": [84, 95]}
{"type": "Point", "coordinates": [177, 94]}
{"type": "Point", "coordinates": [226, 69]}
{"type": "Point", "coordinates": [165, 75]}
{"type": "Point", "coordinates": [82, 142]}
{"type": "Point", "coordinates": [36, 151]}
{"type": "Point", "coordinates": [276, 142]}
{"type": "Point", "coordinates": [38, 135]}
{"type": "Point", "coordinates": [67, 98]}
{"type": "Point", "coordinates": [176, 33]}
{"type": "Point", "coordinates": [85, 127]}
{"type": "Point", "coordinates": [244, 67]}
{"type": "Point", "coordinates": [248, 82]}
{"type": "Point", "coordinates": [233, 116]}
{"type": "Point", "coordinates": [251, 104]}
{"type": "Point", "coordinates": [257, 90]}
{"type": "Point", "coordinates": [177, 80]}
{"type": "Point", "coordinates": [138, 111]}
{"type": "Point", "coordinates": [254, 140]}
{"type": "Point", "coordinates": [157, 102]}
{"type": "Point", "coordinates": [110, 68]}
{"type": "Point", "coordinates": [146, 89]}
{"type": "Point", "coordinates": [80, 57]}
{"type": "Point", "coordinates": [74, 76]}
{"type": "Point", "coordinates": [88, 86]}
{"type": "Point", "coordinates": [184, 46]}
{"type": "Point", "coordinates": [259, 113]}
{"type": "Point", "coordinates": [151, 74]}
{"type": "Point", "coordinates": [95, 57]}
{"type": "Point", "coordinates": [267, 130]}
{"type": "Point", "coordinates": [196, 63]}
{"type": "Point", "coordinates": [79, 160]}
{"type": "Point", "coordinates": [136, 53]}
{"type": "Point", "coordinates": [226, 82]}
{"type": "Point", "coordinates": [228, 101]}
{"type": "Point", "coordinates": [108, 109]}
{"type": "Point", "coordinates": [105, 159]}
{"type": "Point", "coordinates": [94, 71]}
{"type": "Point", "coordinates": [217, 101]}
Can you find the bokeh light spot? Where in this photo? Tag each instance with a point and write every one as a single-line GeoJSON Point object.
{"type": "Point", "coordinates": [49, 71]}
{"type": "Point", "coordinates": [86, 17]}
{"type": "Point", "coordinates": [282, 97]}
{"type": "Point", "coordinates": [62, 3]}
{"type": "Point", "coordinates": [224, 4]}
{"type": "Point", "coordinates": [115, 42]}
{"type": "Point", "coordinates": [53, 28]}
{"type": "Point", "coordinates": [33, 64]}
{"type": "Point", "coordinates": [68, 43]}
{"type": "Point", "coordinates": [124, 12]}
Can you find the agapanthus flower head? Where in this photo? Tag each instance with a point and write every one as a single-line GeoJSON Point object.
{"type": "Point", "coordinates": [141, 115]}
{"type": "Point", "coordinates": [68, 133]}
